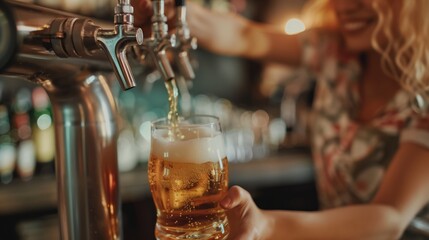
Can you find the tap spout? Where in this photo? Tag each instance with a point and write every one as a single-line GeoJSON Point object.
{"type": "Point", "coordinates": [160, 41]}
{"type": "Point", "coordinates": [116, 42]}
{"type": "Point", "coordinates": [184, 41]}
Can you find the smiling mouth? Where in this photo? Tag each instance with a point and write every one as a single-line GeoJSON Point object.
{"type": "Point", "coordinates": [356, 26]}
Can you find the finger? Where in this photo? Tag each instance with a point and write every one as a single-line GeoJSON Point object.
{"type": "Point", "coordinates": [236, 196]}
{"type": "Point", "coordinates": [170, 10]}
{"type": "Point", "coordinates": [142, 12]}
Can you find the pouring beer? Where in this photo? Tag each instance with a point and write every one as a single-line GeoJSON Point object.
{"type": "Point", "coordinates": [188, 176]}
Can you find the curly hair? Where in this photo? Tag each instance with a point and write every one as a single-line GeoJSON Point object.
{"type": "Point", "coordinates": [405, 54]}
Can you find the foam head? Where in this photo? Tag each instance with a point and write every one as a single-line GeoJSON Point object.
{"type": "Point", "coordinates": [199, 145]}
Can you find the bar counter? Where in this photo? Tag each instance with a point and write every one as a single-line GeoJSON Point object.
{"type": "Point", "coordinates": [291, 167]}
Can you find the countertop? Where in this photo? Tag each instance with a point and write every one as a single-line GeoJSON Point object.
{"type": "Point", "coordinates": [288, 168]}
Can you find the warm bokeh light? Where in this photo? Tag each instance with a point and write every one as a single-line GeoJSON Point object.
{"type": "Point", "coordinates": [294, 26]}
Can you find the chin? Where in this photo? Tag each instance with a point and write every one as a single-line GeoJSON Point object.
{"type": "Point", "coordinates": [356, 45]}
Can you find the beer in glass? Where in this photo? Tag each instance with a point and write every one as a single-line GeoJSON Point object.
{"type": "Point", "coordinates": [188, 176]}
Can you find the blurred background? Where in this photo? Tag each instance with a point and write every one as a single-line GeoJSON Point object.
{"type": "Point", "coordinates": [263, 110]}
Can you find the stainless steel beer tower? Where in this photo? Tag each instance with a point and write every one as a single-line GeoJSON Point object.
{"type": "Point", "coordinates": [65, 54]}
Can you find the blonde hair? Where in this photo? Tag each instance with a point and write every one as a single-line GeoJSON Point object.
{"type": "Point", "coordinates": [405, 54]}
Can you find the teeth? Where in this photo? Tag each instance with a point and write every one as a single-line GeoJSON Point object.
{"type": "Point", "coordinates": [353, 26]}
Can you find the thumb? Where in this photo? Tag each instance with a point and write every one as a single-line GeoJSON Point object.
{"type": "Point", "coordinates": [236, 197]}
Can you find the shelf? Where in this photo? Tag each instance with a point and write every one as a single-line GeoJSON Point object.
{"type": "Point", "coordinates": [40, 193]}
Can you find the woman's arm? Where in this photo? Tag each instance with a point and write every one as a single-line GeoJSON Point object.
{"type": "Point", "coordinates": [370, 221]}
{"type": "Point", "coordinates": [233, 35]}
{"type": "Point", "coordinates": [403, 192]}
{"type": "Point", "coordinates": [405, 186]}
{"type": "Point", "coordinates": [227, 33]}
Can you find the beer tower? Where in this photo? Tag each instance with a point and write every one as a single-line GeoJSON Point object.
{"type": "Point", "coordinates": [66, 55]}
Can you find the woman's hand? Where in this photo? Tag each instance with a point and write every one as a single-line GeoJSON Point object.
{"type": "Point", "coordinates": [246, 220]}
{"type": "Point", "coordinates": [221, 33]}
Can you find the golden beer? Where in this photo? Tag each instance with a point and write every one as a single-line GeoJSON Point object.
{"type": "Point", "coordinates": [188, 177]}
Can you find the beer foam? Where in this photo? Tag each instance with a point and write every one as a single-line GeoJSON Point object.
{"type": "Point", "coordinates": [199, 145]}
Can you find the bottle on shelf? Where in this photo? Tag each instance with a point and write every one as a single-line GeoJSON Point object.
{"type": "Point", "coordinates": [7, 147]}
{"type": "Point", "coordinates": [22, 133]}
{"type": "Point", "coordinates": [43, 132]}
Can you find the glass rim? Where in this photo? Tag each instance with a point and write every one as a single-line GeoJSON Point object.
{"type": "Point", "coordinates": [162, 123]}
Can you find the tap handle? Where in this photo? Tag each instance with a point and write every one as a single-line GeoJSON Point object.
{"type": "Point", "coordinates": [180, 3]}
{"type": "Point", "coordinates": [115, 44]}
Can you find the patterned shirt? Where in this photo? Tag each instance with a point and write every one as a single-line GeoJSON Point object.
{"type": "Point", "coordinates": [351, 158]}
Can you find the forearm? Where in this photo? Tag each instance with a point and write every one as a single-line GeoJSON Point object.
{"type": "Point", "coordinates": [232, 35]}
{"type": "Point", "coordinates": [354, 222]}
{"type": "Point", "coordinates": [221, 33]}
{"type": "Point", "coordinates": [264, 42]}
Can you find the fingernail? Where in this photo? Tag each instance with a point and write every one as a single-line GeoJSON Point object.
{"type": "Point", "coordinates": [226, 202]}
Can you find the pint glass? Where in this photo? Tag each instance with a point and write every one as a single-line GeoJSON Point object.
{"type": "Point", "coordinates": [188, 176]}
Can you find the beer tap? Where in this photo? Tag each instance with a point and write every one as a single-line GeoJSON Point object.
{"type": "Point", "coordinates": [160, 41]}
{"type": "Point", "coordinates": [81, 38]}
{"type": "Point", "coordinates": [115, 42]}
{"type": "Point", "coordinates": [184, 41]}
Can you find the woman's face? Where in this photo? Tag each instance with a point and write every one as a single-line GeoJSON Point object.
{"type": "Point", "coordinates": [357, 20]}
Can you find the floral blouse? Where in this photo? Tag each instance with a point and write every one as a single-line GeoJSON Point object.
{"type": "Point", "coordinates": [351, 158]}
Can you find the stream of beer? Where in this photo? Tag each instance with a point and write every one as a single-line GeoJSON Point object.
{"type": "Point", "coordinates": [173, 113]}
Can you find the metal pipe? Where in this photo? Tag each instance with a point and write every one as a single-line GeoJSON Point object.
{"type": "Point", "coordinates": [86, 152]}
{"type": "Point", "coordinates": [65, 35]}
{"type": "Point", "coordinates": [159, 20]}
{"type": "Point", "coordinates": [23, 21]}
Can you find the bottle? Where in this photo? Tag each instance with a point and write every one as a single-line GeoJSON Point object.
{"type": "Point", "coordinates": [43, 132]}
{"type": "Point", "coordinates": [7, 147]}
{"type": "Point", "coordinates": [25, 159]}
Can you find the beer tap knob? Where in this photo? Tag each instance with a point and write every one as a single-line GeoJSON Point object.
{"type": "Point", "coordinates": [115, 42]}
{"type": "Point", "coordinates": [184, 41]}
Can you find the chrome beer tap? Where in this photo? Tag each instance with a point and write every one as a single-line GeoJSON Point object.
{"type": "Point", "coordinates": [184, 41]}
{"type": "Point", "coordinates": [67, 55]}
{"type": "Point", "coordinates": [159, 42]}
{"type": "Point", "coordinates": [81, 38]}
{"type": "Point", "coordinates": [115, 42]}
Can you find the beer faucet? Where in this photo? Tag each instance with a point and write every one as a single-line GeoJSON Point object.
{"type": "Point", "coordinates": [80, 37]}
{"type": "Point", "coordinates": [184, 41]}
{"type": "Point", "coordinates": [114, 42]}
{"type": "Point", "coordinates": [66, 55]}
{"type": "Point", "coordinates": [159, 42]}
